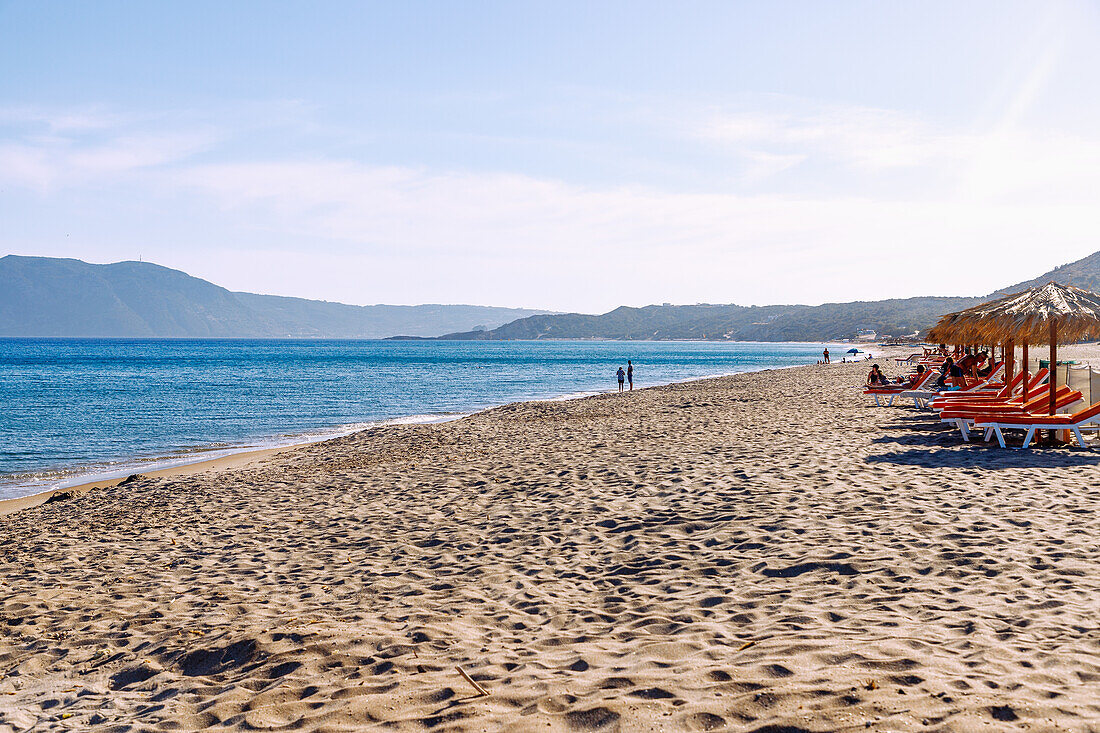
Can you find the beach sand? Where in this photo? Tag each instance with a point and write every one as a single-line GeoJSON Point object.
{"type": "Point", "coordinates": [234, 460]}
{"type": "Point", "coordinates": [762, 552]}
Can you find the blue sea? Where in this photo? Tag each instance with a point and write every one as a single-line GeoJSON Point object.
{"type": "Point", "coordinates": [72, 410]}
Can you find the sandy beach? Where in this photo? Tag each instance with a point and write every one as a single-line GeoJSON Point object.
{"type": "Point", "coordinates": [762, 552]}
{"type": "Point", "coordinates": [233, 460]}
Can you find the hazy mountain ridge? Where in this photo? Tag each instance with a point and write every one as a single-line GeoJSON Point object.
{"type": "Point", "coordinates": [827, 322]}
{"type": "Point", "coordinates": [44, 297]}
{"type": "Point", "coordinates": [52, 297]}
{"type": "Point", "coordinates": [325, 319]}
{"type": "Point", "coordinates": [733, 322]}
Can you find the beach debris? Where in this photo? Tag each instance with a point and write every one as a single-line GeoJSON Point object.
{"type": "Point", "coordinates": [870, 685]}
{"type": "Point", "coordinates": [480, 690]}
{"type": "Point", "coordinates": [746, 645]}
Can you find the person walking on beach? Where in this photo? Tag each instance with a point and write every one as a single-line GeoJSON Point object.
{"type": "Point", "coordinates": [630, 374]}
{"type": "Point", "coordinates": [825, 353]}
{"type": "Point", "coordinates": [622, 376]}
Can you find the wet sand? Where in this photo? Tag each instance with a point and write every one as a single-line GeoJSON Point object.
{"type": "Point", "coordinates": [762, 552]}
{"type": "Point", "coordinates": [235, 460]}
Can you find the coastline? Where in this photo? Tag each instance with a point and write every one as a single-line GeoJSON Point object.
{"type": "Point", "coordinates": [246, 457]}
{"type": "Point", "coordinates": [170, 465]}
{"type": "Point", "coordinates": [225, 457]}
{"type": "Point", "coordinates": [222, 463]}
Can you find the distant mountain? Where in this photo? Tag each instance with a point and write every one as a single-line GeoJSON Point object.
{"type": "Point", "coordinates": [41, 296]}
{"type": "Point", "coordinates": [322, 319]}
{"type": "Point", "coordinates": [770, 323]}
{"type": "Point", "coordinates": [1084, 273]}
{"type": "Point", "coordinates": [732, 322]}
{"type": "Point", "coordinates": [49, 297]}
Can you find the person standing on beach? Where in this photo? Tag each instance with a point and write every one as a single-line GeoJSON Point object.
{"type": "Point", "coordinates": [826, 354]}
{"type": "Point", "coordinates": [630, 374]}
{"type": "Point", "coordinates": [622, 375]}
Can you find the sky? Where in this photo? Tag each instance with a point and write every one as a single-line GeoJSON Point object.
{"type": "Point", "coordinates": [573, 156]}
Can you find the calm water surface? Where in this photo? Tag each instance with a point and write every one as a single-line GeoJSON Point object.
{"type": "Point", "coordinates": [75, 408]}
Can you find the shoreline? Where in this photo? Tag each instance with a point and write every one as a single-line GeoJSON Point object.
{"type": "Point", "coordinates": [234, 460]}
{"type": "Point", "coordinates": [250, 456]}
{"type": "Point", "coordinates": [168, 466]}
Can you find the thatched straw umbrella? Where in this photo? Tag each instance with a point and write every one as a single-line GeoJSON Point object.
{"type": "Point", "coordinates": [1041, 315]}
{"type": "Point", "coordinates": [965, 327]}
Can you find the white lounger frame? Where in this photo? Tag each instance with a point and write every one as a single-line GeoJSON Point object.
{"type": "Point", "coordinates": [922, 398]}
{"type": "Point", "coordinates": [894, 395]}
{"type": "Point", "coordinates": [994, 428]}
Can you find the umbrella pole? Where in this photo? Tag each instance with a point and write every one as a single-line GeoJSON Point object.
{"type": "Point", "coordinates": [1052, 384]}
{"type": "Point", "coordinates": [1053, 362]}
{"type": "Point", "coordinates": [1024, 366]}
{"type": "Point", "coordinates": [1008, 351]}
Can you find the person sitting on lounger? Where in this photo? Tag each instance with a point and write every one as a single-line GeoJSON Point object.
{"type": "Point", "coordinates": [985, 368]}
{"type": "Point", "coordinates": [949, 370]}
{"type": "Point", "coordinates": [876, 378]}
{"type": "Point", "coordinates": [913, 378]}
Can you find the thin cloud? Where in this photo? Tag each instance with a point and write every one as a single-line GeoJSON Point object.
{"type": "Point", "coordinates": [866, 150]}
{"type": "Point", "coordinates": [727, 247]}
{"type": "Point", "coordinates": [53, 149]}
{"type": "Point", "coordinates": [60, 120]}
{"type": "Point", "coordinates": [328, 222]}
{"type": "Point", "coordinates": [864, 137]}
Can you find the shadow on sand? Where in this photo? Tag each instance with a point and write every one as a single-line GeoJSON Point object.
{"type": "Point", "coordinates": [980, 455]}
{"type": "Point", "coordinates": [941, 439]}
{"type": "Point", "coordinates": [927, 426]}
